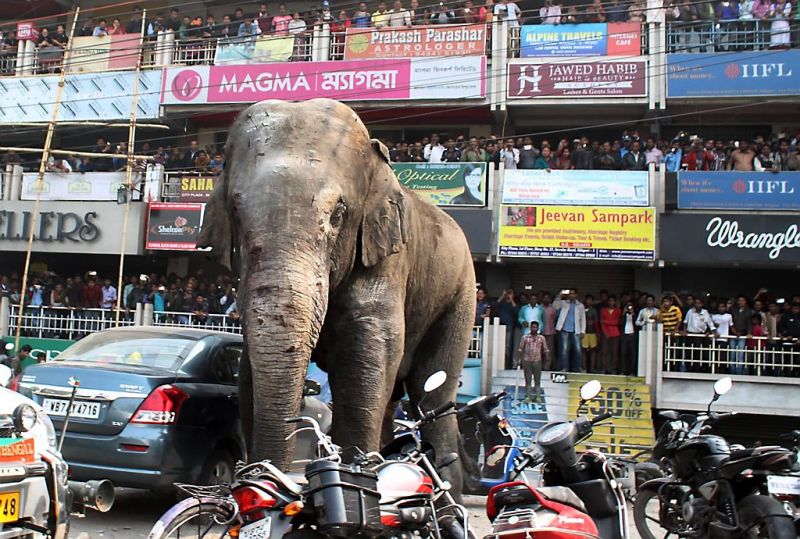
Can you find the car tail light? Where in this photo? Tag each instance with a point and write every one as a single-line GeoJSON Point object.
{"type": "Point", "coordinates": [251, 498]}
{"type": "Point", "coordinates": [161, 406]}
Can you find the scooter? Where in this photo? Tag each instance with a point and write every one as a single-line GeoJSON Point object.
{"type": "Point", "coordinates": [581, 496]}
{"type": "Point", "coordinates": [498, 439]}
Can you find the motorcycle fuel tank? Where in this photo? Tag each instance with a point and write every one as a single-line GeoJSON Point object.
{"type": "Point", "coordinates": [397, 480]}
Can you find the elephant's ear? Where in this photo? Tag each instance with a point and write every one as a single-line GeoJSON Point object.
{"type": "Point", "coordinates": [384, 228]}
{"type": "Point", "coordinates": [216, 229]}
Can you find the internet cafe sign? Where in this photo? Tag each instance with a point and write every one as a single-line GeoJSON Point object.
{"type": "Point", "coordinates": [735, 238]}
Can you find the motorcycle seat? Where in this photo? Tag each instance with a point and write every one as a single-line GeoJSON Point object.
{"type": "Point", "coordinates": [563, 495]}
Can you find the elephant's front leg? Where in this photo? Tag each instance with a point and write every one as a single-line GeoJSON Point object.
{"type": "Point", "coordinates": [367, 349]}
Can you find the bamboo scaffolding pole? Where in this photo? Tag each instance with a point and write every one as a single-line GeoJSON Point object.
{"type": "Point", "coordinates": [51, 127]}
{"type": "Point", "coordinates": [78, 154]}
{"type": "Point", "coordinates": [88, 123]}
{"type": "Point", "coordinates": [129, 167]}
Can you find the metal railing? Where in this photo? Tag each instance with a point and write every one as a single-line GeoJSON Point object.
{"type": "Point", "coordinates": [336, 47]}
{"type": "Point", "coordinates": [8, 63]}
{"type": "Point", "coordinates": [754, 356]}
{"type": "Point", "coordinates": [218, 322]}
{"type": "Point", "coordinates": [194, 52]}
{"type": "Point", "coordinates": [476, 343]}
{"type": "Point", "coordinates": [731, 35]}
{"type": "Point", "coordinates": [63, 322]}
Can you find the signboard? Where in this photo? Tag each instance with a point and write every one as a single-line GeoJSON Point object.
{"type": "Point", "coordinates": [461, 77]}
{"type": "Point", "coordinates": [735, 74]}
{"type": "Point", "coordinates": [732, 238]}
{"type": "Point", "coordinates": [86, 97]}
{"type": "Point", "coordinates": [445, 184]}
{"type": "Point", "coordinates": [196, 188]}
{"type": "Point", "coordinates": [576, 187]}
{"type": "Point", "coordinates": [27, 31]}
{"type": "Point", "coordinates": [173, 226]}
{"type": "Point", "coordinates": [599, 232]}
{"type": "Point", "coordinates": [589, 39]}
{"type": "Point", "coordinates": [74, 186]}
{"type": "Point", "coordinates": [415, 42]}
{"type": "Point", "coordinates": [71, 227]}
{"type": "Point", "coordinates": [526, 416]}
{"type": "Point", "coordinates": [627, 399]}
{"type": "Point", "coordinates": [592, 79]}
{"type": "Point", "coordinates": [739, 191]}
{"type": "Point", "coordinates": [51, 347]}
{"type": "Point", "coordinates": [89, 54]}
{"type": "Point", "coordinates": [254, 51]}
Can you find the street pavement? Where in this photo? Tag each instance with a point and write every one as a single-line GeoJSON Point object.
{"type": "Point", "coordinates": [135, 512]}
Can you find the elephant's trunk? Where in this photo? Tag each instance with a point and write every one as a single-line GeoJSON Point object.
{"type": "Point", "coordinates": [283, 310]}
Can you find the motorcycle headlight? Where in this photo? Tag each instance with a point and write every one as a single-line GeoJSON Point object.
{"type": "Point", "coordinates": [24, 418]}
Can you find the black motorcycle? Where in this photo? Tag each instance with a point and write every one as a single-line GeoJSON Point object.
{"type": "Point", "coordinates": [713, 490]}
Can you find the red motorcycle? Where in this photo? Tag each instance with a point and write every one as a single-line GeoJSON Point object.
{"type": "Point", "coordinates": [581, 496]}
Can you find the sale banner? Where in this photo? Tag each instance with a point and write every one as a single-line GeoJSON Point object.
{"type": "Point", "coordinates": [600, 232]}
{"type": "Point", "coordinates": [415, 42]}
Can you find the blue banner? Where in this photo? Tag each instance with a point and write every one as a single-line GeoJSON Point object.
{"type": "Point", "coordinates": [739, 191]}
{"type": "Point", "coordinates": [741, 74]}
{"type": "Point", "coordinates": [563, 40]}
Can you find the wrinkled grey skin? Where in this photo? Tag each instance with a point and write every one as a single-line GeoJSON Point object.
{"type": "Point", "coordinates": [338, 262]}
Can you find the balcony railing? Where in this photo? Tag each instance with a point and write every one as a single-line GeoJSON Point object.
{"type": "Point", "coordinates": [64, 323]}
{"type": "Point", "coordinates": [731, 35]}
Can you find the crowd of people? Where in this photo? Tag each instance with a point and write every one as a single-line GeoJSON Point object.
{"type": "Point", "coordinates": [191, 300]}
{"type": "Point", "coordinates": [600, 334]}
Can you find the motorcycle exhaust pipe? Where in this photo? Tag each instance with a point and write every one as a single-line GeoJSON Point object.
{"type": "Point", "coordinates": [97, 495]}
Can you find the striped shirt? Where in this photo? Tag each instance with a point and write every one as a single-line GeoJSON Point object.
{"type": "Point", "coordinates": [671, 318]}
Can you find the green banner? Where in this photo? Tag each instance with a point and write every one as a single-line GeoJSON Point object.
{"type": "Point", "coordinates": [51, 347]}
{"type": "Point", "coordinates": [445, 184]}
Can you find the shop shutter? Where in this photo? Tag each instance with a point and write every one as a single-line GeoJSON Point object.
{"type": "Point", "coordinates": [587, 278]}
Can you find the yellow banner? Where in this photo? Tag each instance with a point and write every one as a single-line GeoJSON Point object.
{"type": "Point", "coordinates": [599, 232]}
{"type": "Point", "coordinates": [627, 398]}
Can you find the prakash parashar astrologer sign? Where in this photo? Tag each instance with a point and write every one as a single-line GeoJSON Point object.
{"type": "Point", "coordinates": [445, 184]}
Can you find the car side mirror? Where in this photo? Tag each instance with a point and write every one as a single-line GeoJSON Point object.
{"type": "Point", "coordinates": [312, 388]}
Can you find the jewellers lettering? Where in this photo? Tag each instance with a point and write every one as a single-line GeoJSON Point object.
{"type": "Point", "coordinates": [51, 226]}
{"type": "Point", "coordinates": [723, 233]}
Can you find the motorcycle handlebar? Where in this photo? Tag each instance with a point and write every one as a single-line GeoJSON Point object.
{"type": "Point", "coordinates": [446, 407]}
{"type": "Point", "coordinates": [601, 417]}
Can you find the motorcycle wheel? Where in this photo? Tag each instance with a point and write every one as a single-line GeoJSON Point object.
{"type": "Point", "coordinates": [765, 517]}
{"type": "Point", "coordinates": [645, 471]}
{"type": "Point", "coordinates": [194, 518]}
{"type": "Point", "coordinates": [646, 516]}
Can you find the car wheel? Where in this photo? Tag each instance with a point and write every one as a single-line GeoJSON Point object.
{"type": "Point", "coordinates": [218, 469]}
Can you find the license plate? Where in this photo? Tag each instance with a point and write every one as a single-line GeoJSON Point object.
{"type": "Point", "coordinates": [783, 484]}
{"type": "Point", "coordinates": [9, 507]}
{"type": "Point", "coordinates": [85, 410]}
{"type": "Point", "coordinates": [256, 530]}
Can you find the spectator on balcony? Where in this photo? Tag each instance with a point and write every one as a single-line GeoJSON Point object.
{"type": "Point", "coordinates": [670, 314]}
{"type": "Point", "coordinates": [766, 161]}
{"type": "Point", "coordinates": [583, 157]}
{"type": "Point", "coordinates": [119, 163]}
{"type": "Point", "coordinates": [157, 25]}
{"type": "Point", "coordinates": [44, 40]}
{"type": "Point", "coordinates": [92, 295]}
{"type": "Point", "coordinates": [474, 153]}
{"type": "Point", "coordinates": [550, 13]}
{"type": "Point", "coordinates": [60, 38]}
{"type": "Point", "coordinates": [249, 28]}
{"type": "Point", "coordinates": [652, 153]}
{"type": "Point", "coordinates": [434, 150]}
{"type": "Point", "coordinates": [202, 162]}
{"type": "Point", "coordinates": [399, 16]}
{"type": "Point", "coordinates": [217, 164]}
{"type": "Point", "coordinates": [726, 13]}
{"type": "Point", "coordinates": [451, 153]}
{"type": "Point", "coordinates": [238, 16]}
{"type": "Point", "coordinates": [380, 17]}
{"type": "Point", "coordinates": [74, 292]}
{"type": "Point", "coordinates": [191, 154]}
{"type": "Point", "coordinates": [227, 29]}
{"type": "Point", "coordinates": [264, 18]}
{"type": "Point", "coordinates": [789, 325]}
{"type": "Point", "coordinates": [637, 12]}
{"type": "Point", "coordinates": [545, 160]}
{"type": "Point", "coordinates": [361, 17]}
{"type": "Point", "coordinates": [509, 11]}
{"type": "Point", "coordinates": [87, 28]}
{"type": "Point", "coordinates": [101, 30]}
{"type": "Point", "coordinates": [695, 158]}
{"type": "Point", "coordinates": [58, 164]}
{"type": "Point", "coordinates": [564, 159]}
{"type": "Point", "coordinates": [116, 28]}
{"type": "Point", "coordinates": [610, 317]}
{"type": "Point", "coordinates": [57, 297]}
{"type": "Point", "coordinates": [608, 158]}
{"type": "Point", "coordinates": [742, 158]}
{"type": "Point", "coordinates": [595, 12]}
{"type": "Point", "coordinates": [443, 15]}
{"type": "Point", "coordinates": [616, 12]}
{"type": "Point", "coordinates": [673, 158]}
{"type": "Point", "coordinates": [779, 31]}
{"type": "Point", "coordinates": [527, 155]}
{"type": "Point", "coordinates": [509, 155]}
{"type": "Point", "coordinates": [280, 22]}
{"type": "Point", "coordinates": [635, 159]}
{"type": "Point", "coordinates": [719, 157]}
{"type": "Point", "coordinates": [109, 295]}
{"type": "Point", "coordinates": [340, 24]}
{"type": "Point", "coordinates": [134, 25]}
{"type": "Point", "coordinates": [102, 164]}
{"type": "Point", "coordinates": [173, 22]}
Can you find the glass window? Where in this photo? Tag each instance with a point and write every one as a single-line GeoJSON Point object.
{"type": "Point", "coordinates": [143, 349]}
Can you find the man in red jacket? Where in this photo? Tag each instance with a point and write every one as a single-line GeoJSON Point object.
{"type": "Point", "coordinates": [609, 325]}
{"type": "Point", "coordinates": [92, 295]}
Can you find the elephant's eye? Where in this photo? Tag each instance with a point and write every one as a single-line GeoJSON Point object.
{"type": "Point", "coordinates": [338, 214]}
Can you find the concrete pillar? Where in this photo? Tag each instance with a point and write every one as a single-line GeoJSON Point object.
{"type": "Point", "coordinates": [5, 316]}
{"type": "Point", "coordinates": [321, 44]}
{"type": "Point", "coordinates": [138, 315]}
{"type": "Point", "coordinates": [147, 315]}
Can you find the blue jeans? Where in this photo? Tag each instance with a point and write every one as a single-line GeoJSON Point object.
{"type": "Point", "coordinates": [570, 360]}
{"type": "Point", "coordinates": [736, 356]}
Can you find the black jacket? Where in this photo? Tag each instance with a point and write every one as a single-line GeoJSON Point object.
{"type": "Point", "coordinates": [631, 162]}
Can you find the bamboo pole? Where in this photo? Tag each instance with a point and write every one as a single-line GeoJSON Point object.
{"type": "Point", "coordinates": [79, 154]}
{"type": "Point", "coordinates": [89, 123]}
{"type": "Point", "coordinates": [129, 165]}
{"type": "Point", "coordinates": [51, 127]}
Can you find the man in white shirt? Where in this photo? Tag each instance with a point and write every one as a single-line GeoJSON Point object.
{"type": "Point", "coordinates": [698, 324]}
{"type": "Point", "coordinates": [508, 11]}
{"type": "Point", "coordinates": [433, 152]}
{"type": "Point", "coordinates": [509, 155]}
{"type": "Point", "coordinates": [647, 317]}
{"type": "Point", "coordinates": [549, 13]}
{"type": "Point", "coordinates": [399, 16]}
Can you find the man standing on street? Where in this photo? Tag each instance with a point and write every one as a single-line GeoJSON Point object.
{"type": "Point", "coordinates": [571, 324]}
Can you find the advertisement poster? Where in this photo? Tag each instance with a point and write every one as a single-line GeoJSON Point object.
{"type": "Point", "coordinates": [462, 77]}
{"type": "Point", "coordinates": [445, 184]}
{"type": "Point", "coordinates": [107, 53]}
{"type": "Point", "coordinates": [733, 74]}
{"type": "Point", "coordinates": [173, 226]}
{"type": "Point", "coordinates": [415, 42]}
{"type": "Point", "coordinates": [577, 79]}
{"type": "Point", "coordinates": [588, 39]}
{"type": "Point", "coordinates": [697, 238]}
{"type": "Point", "coordinates": [576, 187]}
{"type": "Point", "coordinates": [248, 51]}
{"type": "Point", "coordinates": [196, 188]}
{"type": "Point", "coordinates": [601, 232]}
{"type": "Point", "coordinates": [75, 186]}
{"type": "Point", "coordinates": [699, 190]}
{"type": "Point", "coordinates": [50, 347]}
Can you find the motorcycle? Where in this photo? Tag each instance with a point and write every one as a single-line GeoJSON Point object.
{"type": "Point", "coordinates": [581, 496]}
{"type": "Point", "coordinates": [498, 439]}
{"type": "Point", "coordinates": [713, 490]}
{"type": "Point", "coordinates": [396, 493]}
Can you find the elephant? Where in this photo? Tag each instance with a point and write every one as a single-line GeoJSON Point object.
{"type": "Point", "coordinates": [340, 264]}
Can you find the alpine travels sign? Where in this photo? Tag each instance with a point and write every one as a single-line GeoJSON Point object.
{"type": "Point", "coordinates": [734, 238]}
{"type": "Point", "coordinates": [590, 79]}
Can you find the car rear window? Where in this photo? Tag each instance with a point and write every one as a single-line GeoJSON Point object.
{"type": "Point", "coordinates": [136, 349]}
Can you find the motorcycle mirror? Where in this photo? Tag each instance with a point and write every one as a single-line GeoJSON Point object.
{"type": "Point", "coordinates": [590, 390]}
{"type": "Point", "coordinates": [311, 388]}
{"type": "Point", "coordinates": [722, 386]}
{"type": "Point", "coordinates": [9, 347]}
{"type": "Point", "coordinates": [435, 381]}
